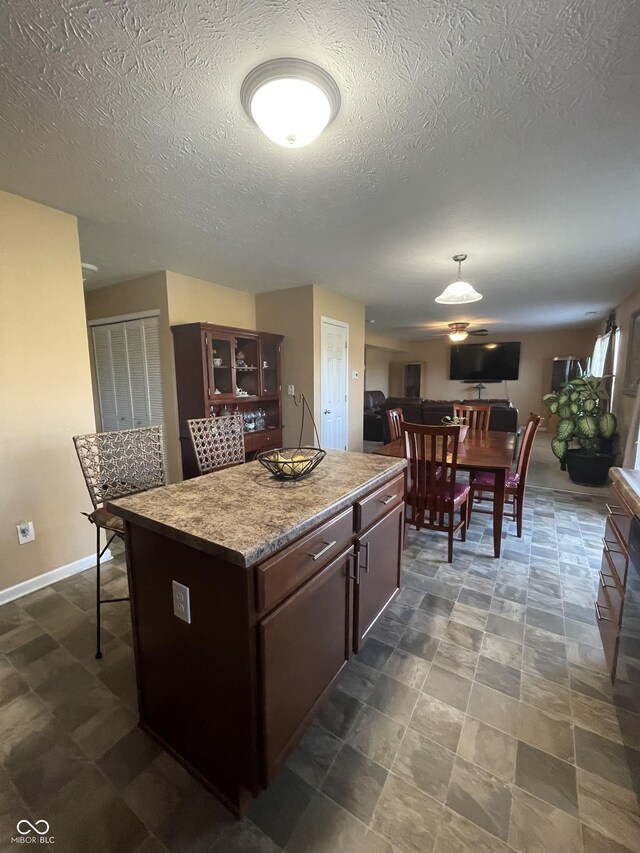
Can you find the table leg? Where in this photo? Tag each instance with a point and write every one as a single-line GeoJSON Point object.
{"type": "Point", "coordinates": [498, 511]}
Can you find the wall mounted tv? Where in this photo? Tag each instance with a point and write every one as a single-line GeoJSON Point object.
{"type": "Point", "coordinates": [485, 362]}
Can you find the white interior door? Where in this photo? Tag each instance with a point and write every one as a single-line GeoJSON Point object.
{"type": "Point", "coordinates": [334, 364]}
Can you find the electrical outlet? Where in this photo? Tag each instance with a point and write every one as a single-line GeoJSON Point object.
{"type": "Point", "coordinates": [26, 533]}
{"type": "Point", "coordinates": [181, 601]}
{"type": "Point", "coordinates": [292, 391]}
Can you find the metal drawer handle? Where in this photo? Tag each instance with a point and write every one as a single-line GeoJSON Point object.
{"type": "Point", "coordinates": [387, 500]}
{"type": "Point", "coordinates": [616, 510]}
{"type": "Point", "coordinates": [607, 585]}
{"type": "Point", "coordinates": [327, 547]}
{"type": "Point", "coordinates": [366, 545]}
{"type": "Point", "coordinates": [356, 567]}
{"type": "Point", "coordinates": [610, 550]}
{"type": "Point", "coordinates": [599, 616]}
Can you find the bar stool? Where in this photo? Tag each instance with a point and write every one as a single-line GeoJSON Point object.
{"type": "Point", "coordinates": [116, 464]}
{"type": "Point", "coordinates": [217, 442]}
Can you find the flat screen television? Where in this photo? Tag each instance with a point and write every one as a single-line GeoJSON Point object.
{"type": "Point", "coordinates": [485, 362]}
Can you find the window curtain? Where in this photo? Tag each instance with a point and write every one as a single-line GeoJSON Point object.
{"type": "Point", "coordinates": [603, 360]}
{"type": "Point", "coordinates": [600, 352]}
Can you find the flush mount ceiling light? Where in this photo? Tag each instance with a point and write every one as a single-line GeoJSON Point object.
{"type": "Point", "coordinates": [460, 291]}
{"type": "Point", "coordinates": [291, 100]}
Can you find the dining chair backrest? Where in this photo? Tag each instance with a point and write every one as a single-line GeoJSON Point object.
{"type": "Point", "coordinates": [217, 442]}
{"type": "Point", "coordinates": [476, 417]}
{"type": "Point", "coordinates": [394, 419]}
{"type": "Point", "coordinates": [121, 462]}
{"type": "Point", "coordinates": [524, 457]}
{"type": "Point", "coordinates": [432, 454]}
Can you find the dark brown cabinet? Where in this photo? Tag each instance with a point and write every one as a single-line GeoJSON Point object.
{"type": "Point", "coordinates": [613, 578]}
{"type": "Point", "coordinates": [220, 370]}
{"type": "Point", "coordinates": [378, 571]}
{"type": "Point", "coordinates": [304, 645]}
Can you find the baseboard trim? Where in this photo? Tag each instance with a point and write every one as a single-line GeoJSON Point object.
{"type": "Point", "coordinates": [40, 581]}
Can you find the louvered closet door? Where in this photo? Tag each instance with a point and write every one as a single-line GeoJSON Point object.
{"type": "Point", "coordinates": [127, 359]}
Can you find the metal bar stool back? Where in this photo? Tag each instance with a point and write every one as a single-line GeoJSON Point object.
{"type": "Point", "coordinates": [217, 442]}
{"type": "Point", "coordinates": [116, 464]}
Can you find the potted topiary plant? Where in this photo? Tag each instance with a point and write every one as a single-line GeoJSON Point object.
{"type": "Point", "coordinates": [581, 405]}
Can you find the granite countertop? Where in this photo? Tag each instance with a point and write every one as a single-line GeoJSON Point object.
{"type": "Point", "coordinates": [243, 514]}
{"type": "Point", "coordinates": [627, 480]}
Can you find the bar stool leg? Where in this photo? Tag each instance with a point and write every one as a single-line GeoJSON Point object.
{"type": "Point", "coordinates": [98, 555]}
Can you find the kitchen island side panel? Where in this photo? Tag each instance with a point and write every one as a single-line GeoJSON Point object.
{"type": "Point", "coordinates": [196, 682]}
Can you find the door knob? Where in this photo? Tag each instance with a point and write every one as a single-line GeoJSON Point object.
{"type": "Point", "coordinates": [327, 412]}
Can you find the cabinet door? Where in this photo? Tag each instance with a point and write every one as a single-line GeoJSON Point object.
{"type": "Point", "coordinates": [304, 644]}
{"type": "Point", "coordinates": [379, 572]}
{"type": "Point", "coordinates": [269, 365]}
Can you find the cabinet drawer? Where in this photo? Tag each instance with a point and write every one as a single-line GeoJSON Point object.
{"type": "Point", "coordinates": [609, 603]}
{"type": "Point", "coordinates": [281, 575]}
{"type": "Point", "coordinates": [254, 441]}
{"type": "Point", "coordinates": [609, 631]}
{"type": "Point", "coordinates": [375, 505]}
{"type": "Point", "coordinates": [613, 570]}
{"type": "Point", "coordinates": [616, 533]}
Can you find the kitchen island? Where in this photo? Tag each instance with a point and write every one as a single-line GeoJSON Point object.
{"type": "Point", "coordinates": [248, 596]}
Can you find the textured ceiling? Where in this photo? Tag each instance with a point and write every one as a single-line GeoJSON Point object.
{"type": "Point", "coordinates": [507, 129]}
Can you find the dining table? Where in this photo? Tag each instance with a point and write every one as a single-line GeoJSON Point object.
{"type": "Point", "coordinates": [482, 450]}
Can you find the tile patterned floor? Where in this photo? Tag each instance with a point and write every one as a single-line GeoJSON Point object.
{"type": "Point", "coordinates": [477, 718]}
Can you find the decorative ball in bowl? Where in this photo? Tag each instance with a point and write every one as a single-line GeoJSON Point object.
{"type": "Point", "coordinates": [291, 463]}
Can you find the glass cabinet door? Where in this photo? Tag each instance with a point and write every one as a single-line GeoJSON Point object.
{"type": "Point", "coordinates": [220, 368]}
{"type": "Point", "coordinates": [269, 360]}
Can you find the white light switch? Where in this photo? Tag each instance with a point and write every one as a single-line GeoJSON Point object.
{"type": "Point", "coordinates": [181, 602]}
{"type": "Point", "coordinates": [355, 374]}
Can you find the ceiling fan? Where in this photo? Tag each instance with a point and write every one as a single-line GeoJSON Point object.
{"type": "Point", "coordinates": [459, 331]}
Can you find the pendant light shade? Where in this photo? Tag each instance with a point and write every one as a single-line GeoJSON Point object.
{"type": "Point", "coordinates": [459, 291]}
{"type": "Point", "coordinates": [291, 101]}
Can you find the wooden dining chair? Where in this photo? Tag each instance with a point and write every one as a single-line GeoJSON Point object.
{"type": "Point", "coordinates": [476, 417]}
{"type": "Point", "coordinates": [394, 419]}
{"type": "Point", "coordinates": [432, 493]}
{"type": "Point", "coordinates": [117, 464]}
{"type": "Point", "coordinates": [483, 481]}
{"type": "Point", "coordinates": [217, 442]}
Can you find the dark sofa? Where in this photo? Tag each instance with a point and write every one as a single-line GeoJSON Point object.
{"type": "Point", "coordinates": [503, 418]}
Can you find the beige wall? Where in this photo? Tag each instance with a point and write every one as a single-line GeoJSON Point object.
{"type": "Point", "coordinates": [192, 300]}
{"type": "Point", "coordinates": [376, 369]}
{"type": "Point", "coordinates": [622, 405]}
{"type": "Point", "coordinates": [290, 313]}
{"type": "Point", "coordinates": [536, 355]}
{"type": "Point", "coordinates": [375, 339]}
{"type": "Point", "coordinates": [46, 390]}
{"type": "Point", "coordinates": [335, 307]}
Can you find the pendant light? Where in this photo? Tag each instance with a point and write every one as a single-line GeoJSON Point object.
{"type": "Point", "coordinates": [460, 291]}
{"type": "Point", "coordinates": [291, 100]}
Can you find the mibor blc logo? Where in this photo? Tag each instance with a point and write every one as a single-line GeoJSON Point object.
{"type": "Point", "coordinates": [32, 833]}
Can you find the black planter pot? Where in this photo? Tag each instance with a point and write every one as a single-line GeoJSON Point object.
{"type": "Point", "coordinates": [588, 470]}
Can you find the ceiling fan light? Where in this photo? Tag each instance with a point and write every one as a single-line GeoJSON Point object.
{"type": "Point", "coordinates": [458, 336]}
{"type": "Point", "coordinates": [291, 101]}
{"type": "Point", "coordinates": [458, 292]}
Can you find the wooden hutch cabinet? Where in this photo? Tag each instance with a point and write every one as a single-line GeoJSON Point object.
{"type": "Point", "coordinates": [222, 370]}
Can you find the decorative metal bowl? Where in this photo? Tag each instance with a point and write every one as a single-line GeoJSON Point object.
{"type": "Point", "coordinates": [291, 463]}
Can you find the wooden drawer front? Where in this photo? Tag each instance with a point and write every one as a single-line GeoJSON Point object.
{"type": "Point", "coordinates": [613, 571]}
{"type": "Point", "coordinates": [616, 533]}
{"type": "Point", "coordinates": [609, 603]}
{"type": "Point", "coordinates": [279, 576]}
{"type": "Point", "coordinates": [375, 505]}
{"type": "Point", "coordinates": [304, 644]}
{"type": "Point", "coordinates": [609, 635]}
{"type": "Point", "coordinates": [254, 441]}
